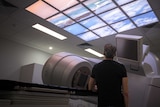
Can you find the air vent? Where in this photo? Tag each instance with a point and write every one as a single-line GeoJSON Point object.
{"type": "Point", "coordinates": [84, 45]}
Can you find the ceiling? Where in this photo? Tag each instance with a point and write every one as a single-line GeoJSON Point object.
{"type": "Point", "coordinates": [16, 25]}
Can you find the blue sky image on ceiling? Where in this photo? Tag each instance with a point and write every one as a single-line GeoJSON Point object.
{"type": "Point", "coordinates": [93, 19]}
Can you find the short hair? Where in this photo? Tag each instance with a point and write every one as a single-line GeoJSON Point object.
{"type": "Point", "coordinates": [109, 51]}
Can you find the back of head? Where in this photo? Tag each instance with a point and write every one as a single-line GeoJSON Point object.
{"type": "Point", "coordinates": [109, 51]}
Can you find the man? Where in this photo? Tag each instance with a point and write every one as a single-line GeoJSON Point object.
{"type": "Point", "coordinates": [111, 80]}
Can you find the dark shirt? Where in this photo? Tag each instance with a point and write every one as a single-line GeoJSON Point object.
{"type": "Point", "coordinates": [108, 75]}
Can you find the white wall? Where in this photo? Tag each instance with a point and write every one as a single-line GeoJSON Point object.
{"type": "Point", "coordinates": [14, 55]}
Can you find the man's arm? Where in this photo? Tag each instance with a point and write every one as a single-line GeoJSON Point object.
{"type": "Point", "coordinates": [125, 90]}
{"type": "Point", "coordinates": [91, 83]}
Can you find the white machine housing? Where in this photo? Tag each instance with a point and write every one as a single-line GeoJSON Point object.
{"type": "Point", "coordinates": [143, 72]}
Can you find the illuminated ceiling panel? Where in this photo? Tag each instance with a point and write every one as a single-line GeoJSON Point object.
{"type": "Point", "coordinates": [93, 19]}
{"type": "Point", "coordinates": [75, 29]}
{"type": "Point", "coordinates": [121, 2]}
{"type": "Point", "coordinates": [41, 9]}
{"type": "Point", "coordinates": [93, 23]}
{"type": "Point", "coordinates": [60, 20]}
{"type": "Point", "coordinates": [88, 36]}
{"type": "Point", "coordinates": [113, 16]}
{"type": "Point", "coordinates": [62, 4]}
{"type": "Point", "coordinates": [78, 12]}
{"type": "Point", "coordinates": [104, 31]}
{"type": "Point", "coordinates": [145, 19]}
{"type": "Point", "coordinates": [99, 6]}
{"type": "Point", "coordinates": [136, 8]}
{"type": "Point", "coordinates": [123, 25]}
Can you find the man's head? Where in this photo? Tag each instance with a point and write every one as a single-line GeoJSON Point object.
{"type": "Point", "coordinates": [109, 51]}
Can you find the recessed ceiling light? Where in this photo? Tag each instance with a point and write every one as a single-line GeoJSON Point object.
{"type": "Point", "coordinates": [49, 31]}
{"type": "Point", "coordinates": [94, 52]}
{"type": "Point", "coordinates": [50, 48]}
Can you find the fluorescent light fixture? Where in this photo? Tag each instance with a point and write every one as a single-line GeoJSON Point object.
{"type": "Point", "coordinates": [49, 31]}
{"type": "Point", "coordinates": [94, 52]}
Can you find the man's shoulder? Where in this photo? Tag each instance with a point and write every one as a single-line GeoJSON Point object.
{"type": "Point", "coordinates": [98, 64]}
{"type": "Point", "coordinates": [119, 63]}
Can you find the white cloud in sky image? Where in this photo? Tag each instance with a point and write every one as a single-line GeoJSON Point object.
{"type": "Point", "coordinates": [60, 20]}
{"type": "Point", "coordinates": [120, 2]}
{"type": "Point", "coordinates": [145, 19]}
{"type": "Point", "coordinates": [93, 23]}
{"type": "Point", "coordinates": [105, 31]}
{"type": "Point", "coordinates": [99, 6]}
{"type": "Point", "coordinates": [88, 36]}
{"type": "Point", "coordinates": [77, 12]}
{"type": "Point", "coordinates": [137, 7]}
{"type": "Point", "coordinates": [123, 26]}
{"type": "Point", "coordinates": [113, 16]}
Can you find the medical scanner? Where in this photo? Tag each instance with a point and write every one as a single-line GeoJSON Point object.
{"type": "Point", "coordinates": [67, 69]}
